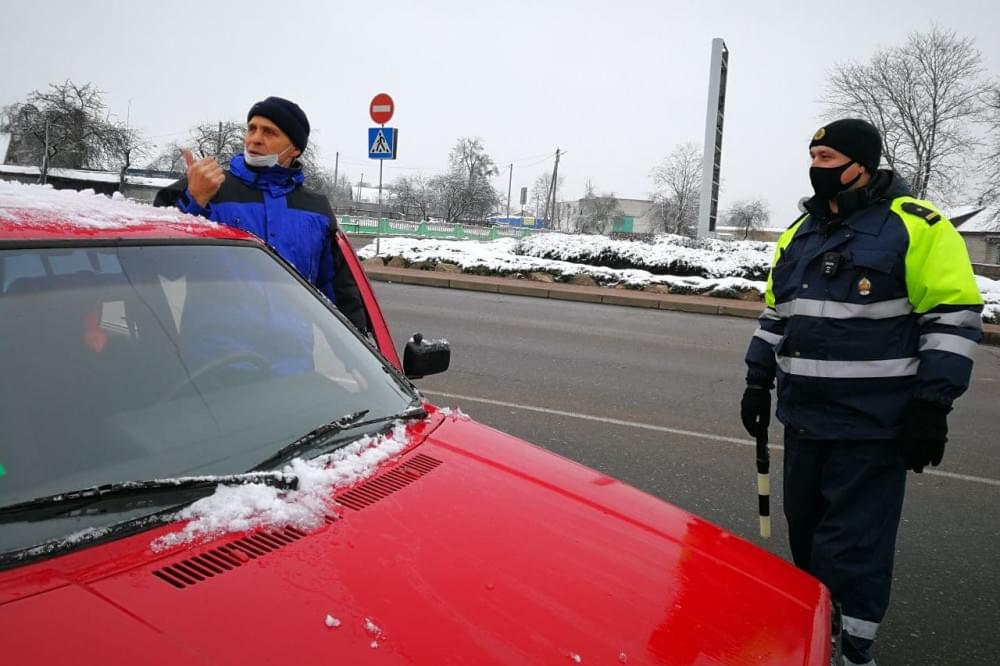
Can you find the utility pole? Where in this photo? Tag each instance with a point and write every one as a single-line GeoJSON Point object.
{"type": "Point", "coordinates": [551, 196]}
{"type": "Point", "coordinates": [510, 180]}
{"type": "Point", "coordinates": [336, 171]}
{"type": "Point", "coordinates": [45, 156]}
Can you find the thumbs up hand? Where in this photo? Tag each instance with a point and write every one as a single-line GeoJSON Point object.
{"type": "Point", "coordinates": [205, 177]}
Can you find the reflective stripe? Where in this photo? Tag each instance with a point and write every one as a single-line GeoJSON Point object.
{"type": "Point", "coordinates": [948, 343]}
{"type": "Point", "coordinates": [770, 313]}
{"type": "Point", "coordinates": [768, 337]}
{"type": "Point", "coordinates": [859, 628]}
{"type": "Point", "coordinates": [963, 318]}
{"type": "Point", "coordinates": [892, 367]}
{"type": "Point", "coordinates": [806, 307]}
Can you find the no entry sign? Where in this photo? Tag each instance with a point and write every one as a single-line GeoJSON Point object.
{"type": "Point", "coordinates": [381, 108]}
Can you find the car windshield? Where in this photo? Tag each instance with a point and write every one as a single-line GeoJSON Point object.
{"type": "Point", "coordinates": [158, 361]}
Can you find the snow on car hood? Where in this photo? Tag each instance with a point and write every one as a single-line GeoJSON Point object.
{"type": "Point", "coordinates": [488, 551]}
{"type": "Point", "coordinates": [82, 208]}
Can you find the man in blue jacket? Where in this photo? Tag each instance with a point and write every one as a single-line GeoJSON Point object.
{"type": "Point", "coordinates": [262, 193]}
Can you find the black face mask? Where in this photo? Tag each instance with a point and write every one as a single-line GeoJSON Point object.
{"type": "Point", "coordinates": [826, 181]}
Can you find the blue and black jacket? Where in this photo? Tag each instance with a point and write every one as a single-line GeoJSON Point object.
{"type": "Point", "coordinates": [865, 311]}
{"type": "Point", "coordinates": [294, 221]}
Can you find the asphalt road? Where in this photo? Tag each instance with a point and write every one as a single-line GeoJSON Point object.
{"type": "Point", "coordinates": [650, 397]}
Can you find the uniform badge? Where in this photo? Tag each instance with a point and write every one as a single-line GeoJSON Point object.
{"type": "Point", "coordinates": [820, 133]}
{"type": "Point", "coordinates": [864, 286]}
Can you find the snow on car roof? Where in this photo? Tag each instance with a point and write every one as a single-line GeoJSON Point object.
{"type": "Point", "coordinates": [31, 211]}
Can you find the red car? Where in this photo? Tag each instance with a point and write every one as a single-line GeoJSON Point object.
{"type": "Point", "coordinates": [202, 462]}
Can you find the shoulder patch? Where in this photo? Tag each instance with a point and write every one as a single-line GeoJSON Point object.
{"type": "Point", "coordinates": [929, 216]}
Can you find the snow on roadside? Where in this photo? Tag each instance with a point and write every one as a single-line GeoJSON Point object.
{"type": "Point", "coordinates": [251, 506]}
{"type": "Point", "coordinates": [499, 257]}
{"type": "Point", "coordinates": [990, 289]}
{"type": "Point", "coordinates": [667, 253]}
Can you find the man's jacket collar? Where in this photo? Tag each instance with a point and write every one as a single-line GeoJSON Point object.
{"type": "Point", "coordinates": [276, 180]}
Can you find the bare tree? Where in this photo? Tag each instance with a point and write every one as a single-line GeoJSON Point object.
{"type": "Point", "coordinates": [124, 145]}
{"type": "Point", "coordinates": [678, 187]}
{"type": "Point", "coordinates": [991, 191]}
{"type": "Point", "coordinates": [541, 189]}
{"type": "Point", "coordinates": [748, 215]}
{"type": "Point", "coordinates": [598, 213]}
{"type": "Point", "coordinates": [469, 157]}
{"type": "Point", "coordinates": [220, 140]}
{"type": "Point", "coordinates": [169, 159]}
{"type": "Point", "coordinates": [456, 199]}
{"type": "Point", "coordinates": [466, 192]}
{"type": "Point", "coordinates": [412, 196]}
{"type": "Point", "coordinates": [923, 97]}
{"type": "Point", "coordinates": [64, 126]}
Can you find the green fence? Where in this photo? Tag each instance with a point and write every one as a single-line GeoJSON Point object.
{"type": "Point", "coordinates": [386, 227]}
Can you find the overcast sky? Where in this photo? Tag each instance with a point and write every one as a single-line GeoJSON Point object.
{"type": "Point", "coordinates": [615, 84]}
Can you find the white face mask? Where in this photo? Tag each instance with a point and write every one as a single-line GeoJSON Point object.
{"type": "Point", "coordinates": [263, 161]}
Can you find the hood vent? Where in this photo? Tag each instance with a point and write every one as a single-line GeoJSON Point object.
{"type": "Point", "coordinates": [382, 486]}
{"type": "Point", "coordinates": [226, 558]}
{"type": "Point", "coordinates": [235, 554]}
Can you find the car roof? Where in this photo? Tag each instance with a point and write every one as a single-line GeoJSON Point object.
{"type": "Point", "coordinates": [39, 212]}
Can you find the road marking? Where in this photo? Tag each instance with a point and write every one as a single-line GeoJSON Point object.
{"type": "Point", "coordinates": [677, 431]}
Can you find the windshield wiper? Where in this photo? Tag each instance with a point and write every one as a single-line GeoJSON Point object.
{"type": "Point", "coordinates": [321, 436]}
{"type": "Point", "coordinates": [132, 493]}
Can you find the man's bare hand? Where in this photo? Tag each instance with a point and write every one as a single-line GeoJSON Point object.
{"type": "Point", "coordinates": [205, 177]}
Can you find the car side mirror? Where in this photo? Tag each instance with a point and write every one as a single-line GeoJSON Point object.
{"type": "Point", "coordinates": [422, 357]}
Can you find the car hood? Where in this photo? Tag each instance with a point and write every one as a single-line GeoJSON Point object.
{"type": "Point", "coordinates": [473, 547]}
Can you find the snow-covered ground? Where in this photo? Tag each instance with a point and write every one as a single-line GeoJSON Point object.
{"type": "Point", "coordinates": [990, 290]}
{"type": "Point", "coordinates": [713, 268]}
{"type": "Point", "coordinates": [500, 256]}
{"type": "Point", "coordinates": [666, 255]}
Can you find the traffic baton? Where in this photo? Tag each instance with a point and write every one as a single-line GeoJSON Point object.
{"type": "Point", "coordinates": [763, 484]}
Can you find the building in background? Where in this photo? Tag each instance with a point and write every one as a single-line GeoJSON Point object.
{"type": "Point", "coordinates": [980, 227]}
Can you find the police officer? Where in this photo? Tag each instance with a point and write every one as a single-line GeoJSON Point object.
{"type": "Point", "coordinates": [871, 320]}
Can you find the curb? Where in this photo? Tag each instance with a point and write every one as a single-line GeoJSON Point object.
{"type": "Point", "coordinates": [599, 295]}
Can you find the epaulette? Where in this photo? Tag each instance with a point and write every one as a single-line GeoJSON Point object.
{"type": "Point", "coordinates": [931, 217]}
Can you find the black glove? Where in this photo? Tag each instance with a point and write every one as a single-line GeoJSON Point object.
{"type": "Point", "coordinates": [755, 410]}
{"type": "Point", "coordinates": [923, 433]}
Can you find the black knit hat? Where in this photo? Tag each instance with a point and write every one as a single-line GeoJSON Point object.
{"type": "Point", "coordinates": [858, 139]}
{"type": "Point", "coordinates": [286, 115]}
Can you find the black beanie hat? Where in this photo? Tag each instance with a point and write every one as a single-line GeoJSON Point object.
{"type": "Point", "coordinates": [858, 139]}
{"type": "Point", "coordinates": [286, 115]}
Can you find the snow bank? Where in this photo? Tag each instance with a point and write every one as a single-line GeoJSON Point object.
{"type": "Point", "coordinates": [667, 255]}
{"type": "Point", "coordinates": [990, 289]}
{"type": "Point", "coordinates": [726, 262]}
{"type": "Point", "coordinates": [499, 257]}
{"type": "Point", "coordinates": [251, 506]}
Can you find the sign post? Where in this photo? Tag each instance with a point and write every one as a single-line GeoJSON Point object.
{"type": "Point", "coordinates": [381, 146]}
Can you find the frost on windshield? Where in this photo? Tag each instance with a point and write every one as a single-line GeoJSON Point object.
{"type": "Point", "coordinates": [252, 506]}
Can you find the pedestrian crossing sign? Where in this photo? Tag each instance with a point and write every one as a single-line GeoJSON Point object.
{"type": "Point", "coordinates": [382, 143]}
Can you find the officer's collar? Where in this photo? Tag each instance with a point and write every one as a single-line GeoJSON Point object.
{"type": "Point", "coordinates": [855, 208]}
